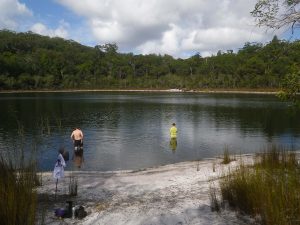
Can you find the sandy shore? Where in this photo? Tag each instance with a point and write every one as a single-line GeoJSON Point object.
{"type": "Point", "coordinates": [169, 195]}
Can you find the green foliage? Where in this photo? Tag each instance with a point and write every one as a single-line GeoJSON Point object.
{"type": "Point", "coordinates": [32, 61]}
{"type": "Point", "coordinates": [291, 86]}
{"type": "Point", "coordinates": [268, 190]}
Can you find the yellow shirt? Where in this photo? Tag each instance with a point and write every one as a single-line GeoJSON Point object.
{"type": "Point", "coordinates": [173, 132]}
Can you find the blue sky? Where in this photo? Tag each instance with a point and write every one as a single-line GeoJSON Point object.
{"type": "Point", "coordinates": [175, 27]}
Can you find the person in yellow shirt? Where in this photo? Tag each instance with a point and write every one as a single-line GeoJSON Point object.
{"type": "Point", "coordinates": [173, 131]}
{"type": "Point", "coordinates": [173, 140]}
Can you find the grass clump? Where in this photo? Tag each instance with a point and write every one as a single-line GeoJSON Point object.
{"type": "Point", "coordinates": [18, 200]}
{"type": "Point", "coordinates": [214, 201]}
{"type": "Point", "coordinates": [268, 190]}
{"type": "Point", "coordinates": [226, 156]}
{"type": "Point", "coordinates": [73, 185]}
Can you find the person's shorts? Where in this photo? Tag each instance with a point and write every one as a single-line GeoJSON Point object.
{"type": "Point", "coordinates": [78, 143]}
{"type": "Point", "coordinates": [78, 147]}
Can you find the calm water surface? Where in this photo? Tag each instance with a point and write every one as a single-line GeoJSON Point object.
{"type": "Point", "coordinates": [131, 130]}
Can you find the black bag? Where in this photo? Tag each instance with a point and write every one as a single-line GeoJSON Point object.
{"type": "Point", "coordinates": [80, 213]}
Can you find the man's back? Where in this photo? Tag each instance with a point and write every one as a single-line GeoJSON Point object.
{"type": "Point", "coordinates": [77, 135]}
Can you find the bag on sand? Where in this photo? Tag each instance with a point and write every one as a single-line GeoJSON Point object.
{"type": "Point", "coordinates": [80, 213]}
{"type": "Point", "coordinates": [60, 212]}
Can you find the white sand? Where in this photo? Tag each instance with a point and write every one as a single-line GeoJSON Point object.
{"type": "Point", "coordinates": [171, 194]}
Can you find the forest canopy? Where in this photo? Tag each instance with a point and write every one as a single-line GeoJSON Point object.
{"type": "Point", "coordinates": [32, 61]}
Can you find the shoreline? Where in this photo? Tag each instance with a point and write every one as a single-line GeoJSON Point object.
{"type": "Point", "coordinates": [171, 194]}
{"type": "Point", "coordinates": [205, 91]}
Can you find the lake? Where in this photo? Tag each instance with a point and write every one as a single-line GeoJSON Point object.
{"type": "Point", "coordinates": [130, 130]}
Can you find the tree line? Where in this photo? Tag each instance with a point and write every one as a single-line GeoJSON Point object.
{"type": "Point", "coordinates": [32, 61]}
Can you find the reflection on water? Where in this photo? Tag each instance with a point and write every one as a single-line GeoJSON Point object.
{"type": "Point", "coordinates": [78, 159]}
{"type": "Point", "coordinates": [131, 130]}
{"type": "Point", "coordinates": [173, 144]}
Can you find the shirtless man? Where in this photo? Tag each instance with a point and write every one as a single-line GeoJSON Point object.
{"type": "Point", "coordinates": [77, 137]}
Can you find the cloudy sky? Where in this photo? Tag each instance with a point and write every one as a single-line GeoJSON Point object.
{"type": "Point", "coordinates": [179, 28]}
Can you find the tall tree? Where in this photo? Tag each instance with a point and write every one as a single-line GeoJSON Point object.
{"type": "Point", "coordinates": [276, 14]}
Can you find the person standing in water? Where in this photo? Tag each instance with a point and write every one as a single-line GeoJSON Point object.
{"type": "Point", "coordinates": [77, 137]}
{"type": "Point", "coordinates": [173, 135]}
{"type": "Point", "coordinates": [173, 131]}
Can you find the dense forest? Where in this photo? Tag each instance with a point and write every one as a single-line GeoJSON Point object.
{"type": "Point", "coordinates": [32, 61]}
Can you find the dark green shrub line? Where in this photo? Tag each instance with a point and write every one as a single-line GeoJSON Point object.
{"type": "Point", "coordinates": [33, 62]}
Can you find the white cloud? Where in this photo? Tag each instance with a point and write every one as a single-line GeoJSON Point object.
{"type": "Point", "coordinates": [11, 13]}
{"type": "Point", "coordinates": [173, 27]}
{"type": "Point", "coordinates": [60, 31]}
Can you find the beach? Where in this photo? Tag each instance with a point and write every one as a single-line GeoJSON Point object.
{"type": "Point", "coordinates": [169, 194]}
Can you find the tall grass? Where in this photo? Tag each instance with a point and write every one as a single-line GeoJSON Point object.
{"type": "Point", "coordinates": [18, 179]}
{"type": "Point", "coordinates": [214, 202]}
{"type": "Point", "coordinates": [17, 196]}
{"type": "Point", "coordinates": [227, 158]}
{"type": "Point", "coordinates": [73, 185]}
{"type": "Point", "coordinates": [268, 190]}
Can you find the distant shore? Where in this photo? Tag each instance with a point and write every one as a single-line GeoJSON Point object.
{"type": "Point", "coordinates": [221, 91]}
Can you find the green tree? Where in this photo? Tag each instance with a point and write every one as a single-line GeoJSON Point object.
{"type": "Point", "coordinates": [276, 14]}
{"type": "Point", "coordinates": [291, 86]}
{"type": "Point", "coordinates": [32, 61]}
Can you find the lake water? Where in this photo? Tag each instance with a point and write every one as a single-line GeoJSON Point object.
{"type": "Point", "coordinates": [130, 130]}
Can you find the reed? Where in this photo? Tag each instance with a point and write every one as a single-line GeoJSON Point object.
{"type": "Point", "coordinates": [73, 185]}
{"type": "Point", "coordinates": [18, 181]}
{"type": "Point", "coordinates": [44, 126]}
{"type": "Point", "coordinates": [215, 204]}
{"type": "Point", "coordinates": [226, 156]}
{"type": "Point", "coordinates": [18, 198]}
{"type": "Point", "coordinates": [269, 190]}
